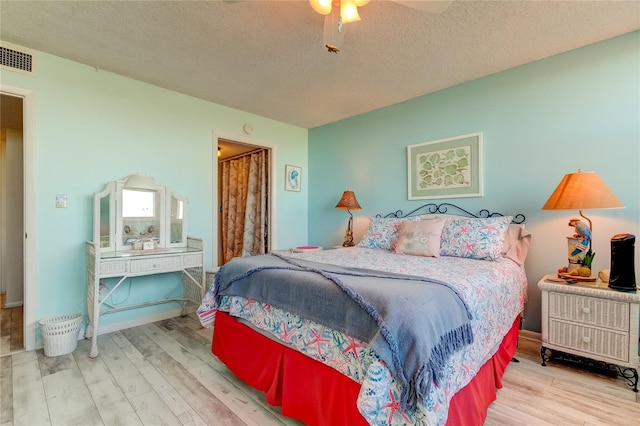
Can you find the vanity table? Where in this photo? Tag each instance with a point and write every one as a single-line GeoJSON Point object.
{"type": "Point", "coordinates": [140, 230]}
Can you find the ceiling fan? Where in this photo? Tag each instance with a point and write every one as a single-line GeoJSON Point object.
{"type": "Point", "coordinates": [340, 12]}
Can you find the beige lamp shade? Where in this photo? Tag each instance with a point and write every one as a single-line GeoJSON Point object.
{"type": "Point", "coordinates": [581, 191]}
{"type": "Point", "coordinates": [348, 202]}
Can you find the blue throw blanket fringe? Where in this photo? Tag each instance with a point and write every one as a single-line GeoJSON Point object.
{"type": "Point", "coordinates": [397, 331]}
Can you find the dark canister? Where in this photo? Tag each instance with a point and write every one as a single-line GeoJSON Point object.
{"type": "Point", "coordinates": [622, 275]}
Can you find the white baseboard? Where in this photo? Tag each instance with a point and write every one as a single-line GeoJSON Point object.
{"type": "Point", "coordinates": [160, 316]}
{"type": "Point", "coordinates": [12, 305]}
{"type": "Point", "coordinates": [147, 319]}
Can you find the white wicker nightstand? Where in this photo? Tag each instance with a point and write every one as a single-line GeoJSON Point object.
{"type": "Point", "coordinates": [593, 322]}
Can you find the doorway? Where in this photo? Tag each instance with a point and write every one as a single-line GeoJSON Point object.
{"type": "Point", "coordinates": [238, 235]}
{"type": "Point", "coordinates": [11, 224]}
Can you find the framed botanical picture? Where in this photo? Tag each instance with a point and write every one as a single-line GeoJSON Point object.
{"type": "Point", "coordinates": [445, 168]}
{"type": "Point", "coordinates": [292, 178]}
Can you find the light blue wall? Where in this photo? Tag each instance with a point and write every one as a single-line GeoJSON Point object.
{"type": "Point", "coordinates": [94, 126]}
{"type": "Point", "coordinates": [540, 121]}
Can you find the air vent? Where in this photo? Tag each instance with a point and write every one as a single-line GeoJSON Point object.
{"type": "Point", "coordinates": [16, 60]}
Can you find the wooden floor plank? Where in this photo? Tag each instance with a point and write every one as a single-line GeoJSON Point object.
{"type": "Point", "coordinates": [122, 369]}
{"type": "Point", "coordinates": [185, 330]}
{"type": "Point", "coordinates": [191, 418]}
{"type": "Point", "coordinates": [6, 391]}
{"type": "Point", "coordinates": [110, 401]}
{"type": "Point", "coordinates": [152, 409]}
{"type": "Point", "coordinates": [69, 400]}
{"type": "Point", "coordinates": [52, 365]}
{"type": "Point", "coordinates": [29, 399]}
{"type": "Point", "coordinates": [233, 398]}
{"type": "Point", "coordinates": [163, 388]}
{"type": "Point", "coordinates": [201, 400]}
{"type": "Point", "coordinates": [195, 343]}
{"type": "Point", "coordinates": [164, 373]}
{"type": "Point", "coordinates": [172, 347]}
{"type": "Point", "coordinates": [11, 328]}
{"type": "Point", "coordinates": [24, 356]}
{"type": "Point", "coordinates": [5, 344]}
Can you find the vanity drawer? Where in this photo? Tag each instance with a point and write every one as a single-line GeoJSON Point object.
{"type": "Point", "coordinates": [156, 264]}
{"type": "Point", "coordinates": [589, 340]}
{"type": "Point", "coordinates": [114, 268]}
{"type": "Point", "coordinates": [589, 311]}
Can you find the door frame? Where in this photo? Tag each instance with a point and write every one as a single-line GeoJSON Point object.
{"type": "Point", "coordinates": [29, 215]}
{"type": "Point", "coordinates": [272, 190]}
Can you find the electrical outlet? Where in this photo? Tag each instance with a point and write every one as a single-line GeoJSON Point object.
{"type": "Point", "coordinates": [104, 290]}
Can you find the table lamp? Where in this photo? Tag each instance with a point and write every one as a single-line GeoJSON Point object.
{"type": "Point", "coordinates": [348, 202]}
{"type": "Point", "coordinates": [581, 191]}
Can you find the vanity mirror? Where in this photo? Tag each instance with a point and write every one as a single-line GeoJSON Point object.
{"type": "Point", "coordinates": [140, 228]}
{"type": "Point", "coordinates": [137, 214]}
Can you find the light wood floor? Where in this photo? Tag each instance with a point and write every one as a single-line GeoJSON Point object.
{"type": "Point", "coordinates": [164, 373]}
{"type": "Point", "coordinates": [11, 329]}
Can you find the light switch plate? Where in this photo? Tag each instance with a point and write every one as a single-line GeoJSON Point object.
{"type": "Point", "coordinates": [61, 201]}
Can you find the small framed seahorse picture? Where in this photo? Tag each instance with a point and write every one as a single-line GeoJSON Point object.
{"type": "Point", "coordinates": [292, 178]}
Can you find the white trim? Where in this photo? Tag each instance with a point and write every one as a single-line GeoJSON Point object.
{"type": "Point", "coordinates": [147, 319]}
{"type": "Point", "coordinates": [13, 305]}
{"type": "Point", "coordinates": [29, 141]}
{"type": "Point", "coordinates": [273, 182]}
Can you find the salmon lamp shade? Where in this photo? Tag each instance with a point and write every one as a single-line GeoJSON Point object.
{"type": "Point", "coordinates": [581, 191]}
{"type": "Point", "coordinates": [348, 202]}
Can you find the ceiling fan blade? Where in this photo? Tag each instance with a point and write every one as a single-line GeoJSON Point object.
{"type": "Point", "coordinates": [431, 6]}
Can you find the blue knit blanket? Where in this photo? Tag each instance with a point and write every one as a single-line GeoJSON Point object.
{"type": "Point", "coordinates": [413, 324]}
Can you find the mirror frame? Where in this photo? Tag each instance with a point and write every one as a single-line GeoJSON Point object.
{"type": "Point", "coordinates": [171, 195]}
{"type": "Point", "coordinates": [116, 221]}
{"type": "Point", "coordinates": [108, 191]}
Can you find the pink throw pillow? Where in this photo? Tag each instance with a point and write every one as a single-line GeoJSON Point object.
{"type": "Point", "coordinates": [420, 238]}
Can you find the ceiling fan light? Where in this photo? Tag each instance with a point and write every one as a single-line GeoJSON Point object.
{"type": "Point", "coordinates": [349, 11]}
{"type": "Point", "coordinates": [323, 7]}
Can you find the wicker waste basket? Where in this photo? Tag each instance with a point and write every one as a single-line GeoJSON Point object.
{"type": "Point", "coordinates": [60, 334]}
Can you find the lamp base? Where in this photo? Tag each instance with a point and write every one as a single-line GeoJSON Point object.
{"type": "Point", "coordinates": [348, 238]}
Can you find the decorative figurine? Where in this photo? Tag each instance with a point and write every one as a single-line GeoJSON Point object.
{"type": "Point", "coordinates": [348, 239]}
{"type": "Point", "coordinates": [583, 233]}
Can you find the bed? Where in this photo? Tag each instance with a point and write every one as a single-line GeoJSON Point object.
{"type": "Point", "coordinates": [414, 325]}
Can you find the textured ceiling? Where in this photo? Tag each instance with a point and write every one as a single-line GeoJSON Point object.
{"type": "Point", "coordinates": [267, 57]}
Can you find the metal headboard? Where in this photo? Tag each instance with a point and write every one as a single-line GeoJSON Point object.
{"type": "Point", "coordinates": [443, 208]}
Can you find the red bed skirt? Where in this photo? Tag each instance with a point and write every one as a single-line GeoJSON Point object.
{"type": "Point", "coordinates": [321, 395]}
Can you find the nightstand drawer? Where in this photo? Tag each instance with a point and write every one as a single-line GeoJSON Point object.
{"type": "Point", "coordinates": [589, 340]}
{"type": "Point", "coordinates": [589, 311]}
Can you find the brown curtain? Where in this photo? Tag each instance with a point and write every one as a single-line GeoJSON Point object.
{"type": "Point", "coordinates": [244, 205]}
